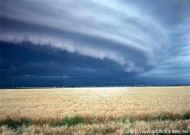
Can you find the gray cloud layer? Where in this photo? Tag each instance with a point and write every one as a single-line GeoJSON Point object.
{"type": "Point", "coordinates": [103, 30]}
{"type": "Point", "coordinates": [177, 64]}
{"type": "Point", "coordinates": [138, 35]}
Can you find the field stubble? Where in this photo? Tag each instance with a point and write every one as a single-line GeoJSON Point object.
{"type": "Point", "coordinates": [105, 110]}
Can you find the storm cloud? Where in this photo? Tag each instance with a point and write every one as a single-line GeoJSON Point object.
{"type": "Point", "coordinates": [103, 30]}
{"type": "Point", "coordinates": [143, 38]}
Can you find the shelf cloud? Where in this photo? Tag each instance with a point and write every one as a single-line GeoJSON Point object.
{"type": "Point", "coordinates": [102, 30]}
{"type": "Point", "coordinates": [145, 38]}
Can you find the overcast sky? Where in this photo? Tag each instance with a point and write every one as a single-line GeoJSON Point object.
{"type": "Point", "coordinates": [94, 42]}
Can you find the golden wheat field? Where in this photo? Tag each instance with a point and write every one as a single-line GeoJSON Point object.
{"type": "Point", "coordinates": [109, 110]}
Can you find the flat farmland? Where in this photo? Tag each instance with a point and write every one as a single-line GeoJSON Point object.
{"type": "Point", "coordinates": [103, 110]}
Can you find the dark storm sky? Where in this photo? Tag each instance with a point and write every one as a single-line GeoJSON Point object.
{"type": "Point", "coordinates": [94, 42]}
